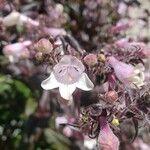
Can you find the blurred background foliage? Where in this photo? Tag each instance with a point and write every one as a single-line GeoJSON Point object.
{"type": "Point", "coordinates": [17, 104]}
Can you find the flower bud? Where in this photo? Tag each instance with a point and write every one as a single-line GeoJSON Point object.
{"type": "Point", "coordinates": [90, 59]}
{"type": "Point", "coordinates": [44, 46]}
{"type": "Point", "coordinates": [111, 96]}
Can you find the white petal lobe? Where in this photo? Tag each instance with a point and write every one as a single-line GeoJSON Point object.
{"type": "Point", "coordinates": [50, 83]}
{"type": "Point", "coordinates": [85, 83]}
{"type": "Point", "coordinates": [66, 91]}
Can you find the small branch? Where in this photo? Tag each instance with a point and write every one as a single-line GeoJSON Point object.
{"type": "Point", "coordinates": [44, 99]}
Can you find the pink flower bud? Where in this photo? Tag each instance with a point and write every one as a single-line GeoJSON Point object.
{"type": "Point", "coordinates": [107, 139]}
{"type": "Point", "coordinates": [111, 96]}
{"type": "Point", "coordinates": [44, 46]}
{"type": "Point", "coordinates": [90, 59]}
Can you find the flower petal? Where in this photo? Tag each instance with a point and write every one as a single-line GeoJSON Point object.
{"type": "Point", "coordinates": [136, 71]}
{"type": "Point", "coordinates": [68, 70]}
{"type": "Point", "coordinates": [50, 83]}
{"type": "Point", "coordinates": [66, 91]}
{"type": "Point", "coordinates": [107, 139]}
{"type": "Point", "coordinates": [85, 83]}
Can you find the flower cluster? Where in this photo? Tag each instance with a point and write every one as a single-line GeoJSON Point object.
{"type": "Point", "coordinates": [80, 70]}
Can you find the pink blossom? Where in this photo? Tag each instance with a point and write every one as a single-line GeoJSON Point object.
{"type": "Point", "coordinates": [122, 25]}
{"type": "Point", "coordinates": [107, 139]}
{"type": "Point", "coordinates": [126, 73]}
{"type": "Point", "coordinates": [90, 59]}
{"type": "Point", "coordinates": [17, 50]}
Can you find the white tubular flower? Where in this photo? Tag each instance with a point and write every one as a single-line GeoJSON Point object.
{"type": "Point", "coordinates": [68, 75]}
{"type": "Point", "coordinates": [16, 18]}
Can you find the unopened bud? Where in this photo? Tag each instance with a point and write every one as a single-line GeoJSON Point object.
{"type": "Point", "coordinates": [44, 46]}
{"type": "Point", "coordinates": [111, 96]}
{"type": "Point", "coordinates": [90, 59]}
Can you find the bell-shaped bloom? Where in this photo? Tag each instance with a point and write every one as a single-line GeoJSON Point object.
{"type": "Point", "coordinates": [68, 75]}
{"type": "Point", "coordinates": [16, 18]}
{"type": "Point", "coordinates": [17, 50]}
{"type": "Point", "coordinates": [107, 139]}
{"type": "Point", "coordinates": [129, 75]}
